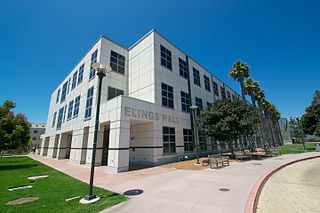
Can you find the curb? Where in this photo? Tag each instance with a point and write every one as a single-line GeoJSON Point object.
{"type": "Point", "coordinates": [252, 202]}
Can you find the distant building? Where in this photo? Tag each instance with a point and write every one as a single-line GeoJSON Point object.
{"type": "Point", "coordinates": [285, 131]}
{"type": "Point", "coordinates": [36, 130]}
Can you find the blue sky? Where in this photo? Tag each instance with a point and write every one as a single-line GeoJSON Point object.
{"type": "Point", "coordinates": [41, 41]}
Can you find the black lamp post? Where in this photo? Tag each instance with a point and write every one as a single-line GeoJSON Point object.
{"type": "Point", "coordinates": [195, 131]}
{"type": "Point", "coordinates": [101, 73]}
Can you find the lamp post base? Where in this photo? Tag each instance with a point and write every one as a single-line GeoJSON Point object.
{"type": "Point", "coordinates": [88, 199]}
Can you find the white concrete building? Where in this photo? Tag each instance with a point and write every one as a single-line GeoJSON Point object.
{"type": "Point", "coordinates": [36, 130]}
{"type": "Point", "coordinates": [144, 114]}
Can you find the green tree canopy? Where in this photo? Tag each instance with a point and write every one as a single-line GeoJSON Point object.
{"type": "Point", "coordinates": [227, 120]}
{"type": "Point", "coordinates": [14, 129]}
{"type": "Point", "coordinates": [310, 121]}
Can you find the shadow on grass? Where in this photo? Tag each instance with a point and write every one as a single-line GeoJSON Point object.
{"type": "Point", "coordinates": [20, 166]}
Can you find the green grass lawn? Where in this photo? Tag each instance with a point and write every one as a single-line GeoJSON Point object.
{"type": "Point", "coordinates": [310, 147]}
{"type": "Point", "coordinates": [52, 191]}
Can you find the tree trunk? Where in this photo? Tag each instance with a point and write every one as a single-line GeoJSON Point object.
{"type": "Point", "coordinates": [243, 93]}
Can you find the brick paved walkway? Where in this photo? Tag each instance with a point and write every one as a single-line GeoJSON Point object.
{"type": "Point", "coordinates": [292, 189]}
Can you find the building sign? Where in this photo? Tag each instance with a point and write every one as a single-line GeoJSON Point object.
{"type": "Point", "coordinates": [154, 116]}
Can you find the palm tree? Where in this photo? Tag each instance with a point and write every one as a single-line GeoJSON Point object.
{"type": "Point", "coordinates": [252, 88]}
{"type": "Point", "coordinates": [240, 71]}
{"type": "Point", "coordinates": [266, 106]}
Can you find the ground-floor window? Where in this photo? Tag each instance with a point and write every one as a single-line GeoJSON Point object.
{"type": "Point", "coordinates": [222, 145]}
{"type": "Point", "coordinates": [214, 144]}
{"type": "Point", "coordinates": [187, 139]}
{"type": "Point", "coordinates": [202, 140]}
{"type": "Point", "coordinates": [169, 139]}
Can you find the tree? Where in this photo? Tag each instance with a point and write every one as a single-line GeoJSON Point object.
{"type": "Point", "coordinates": [14, 129]}
{"type": "Point", "coordinates": [310, 121]}
{"type": "Point", "coordinates": [295, 129]}
{"type": "Point", "coordinates": [240, 71]}
{"type": "Point", "coordinates": [227, 120]}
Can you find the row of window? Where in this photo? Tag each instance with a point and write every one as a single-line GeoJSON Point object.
{"type": "Point", "coordinates": [73, 108]}
{"type": "Point", "coordinates": [169, 141]}
{"type": "Point", "coordinates": [166, 61]}
{"type": "Point", "coordinates": [168, 99]}
{"type": "Point", "coordinates": [117, 63]}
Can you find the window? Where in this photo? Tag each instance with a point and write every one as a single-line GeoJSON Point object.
{"type": "Point", "coordinates": [89, 103]}
{"type": "Point", "coordinates": [202, 140]}
{"type": "Point", "coordinates": [60, 116]}
{"type": "Point", "coordinates": [80, 77]}
{"type": "Point", "coordinates": [54, 119]}
{"type": "Point", "coordinates": [184, 72]}
{"type": "Point", "coordinates": [64, 114]}
{"type": "Point", "coordinates": [114, 92]}
{"type": "Point", "coordinates": [117, 62]}
{"type": "Point", "coordinates": [199, 104]}
{"type": "Point", "coordinates": [35, 131]}
{"type": "Point", "coordinates": [64, 92]}
{"type": "Point", "coordinates": [94, 56]}
{"type": "Point", "coordinates": [233, 97]}
{"type": "Point", "coordinates": [169, 139]}
{"type": "Point", "coordinates": [215, 88]}
{"type": "Point", "coordinates": [68, 85]}
{"type": "Point", "coordinates": [207, 83]}
{"type": "Point", "coordinates": [166, 57]}
{"type": "Point", "coordinates": [228, 95]}
{"type": "Point", "coordinates": [58, 96]}
{"type": "Point", "coordinates": [185, 102]}
{"type": "Point", "coordinates": [209, 104]}
{"type": "Point", "coordinates": [223, 92]}
{"type": "Point", "coordinates": [34, 138]}
{"type": "Point", "coordinates": [196, 77]}
{"type": "Point", "coordinates": [74, 80]}
{"type": "Point", "coordinates": [187, 139]}
{"type": "Point", "coordinates": [222, 145]}
{"type": "Point", "coordinates": [167, 95]}
{"type": "Point", "coordinates": [70, 109]}
{"type": "Point", "coordinates": [76, 107]}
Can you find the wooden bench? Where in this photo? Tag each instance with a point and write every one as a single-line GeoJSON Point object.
{"type": "Point", "coordinates": [217, 161]}
{"type": "Point", "coordinates": [242, 156]}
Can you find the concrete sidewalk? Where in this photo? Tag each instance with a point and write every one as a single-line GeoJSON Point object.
{"type": "Point", "coordinates": [172, 190]}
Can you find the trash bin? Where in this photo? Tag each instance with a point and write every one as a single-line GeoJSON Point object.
{"type": "Point", "coordinates": [317, 147]}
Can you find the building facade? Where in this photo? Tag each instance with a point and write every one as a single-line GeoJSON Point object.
{"type": "Point", "coordinates": [36, 130]}
{"type": "Point", "coordinates": [144, 114]}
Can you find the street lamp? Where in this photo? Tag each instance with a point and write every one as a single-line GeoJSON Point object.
{"type": "Point", "coordinates": [195, 132]}
{"type": "Point", "coordinates": [102, 70]}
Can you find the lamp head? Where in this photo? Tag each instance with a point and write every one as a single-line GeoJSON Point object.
{"type": "Point", "coordinates": [101, 68]}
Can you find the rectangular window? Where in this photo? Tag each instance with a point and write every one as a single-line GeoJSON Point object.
{"type": "Point", "coordinates": [223, 92]}
{"type": "Point", "coordinates": [202, 140]}
{"type": "Point", "coordinates": [74, 80]}
{"type": "Point", "coordinates": [199, 104]}
{"type": "Point", "coordinates": [215, 88]}
{"type": "Point", "coordinates": [54, 119]}
{"type": "Point", "coordinates": [117, 62]}
{"type": "Point", "coordinates": [64, 114]}
{"type": "Point", "coordinates": [183, 69]}
{"type": "Point", "coordinates": [114, 92]}
{"type": "Point", "coordinates": [35, 131]}
{"type": "Point", "coordinates": [233, 97]}
{"type": "Point", "coordinates": [196, 77]}
{"type": "Point", "coordinates": [64, 92]}
{"type": "Point", "coordinates": [58, 96]}
{"type": "Point", "coordinates": [228, 95]}
{"type": "Point", "coordinates": [70, 109]}
{"type": "Point", "coordinates": [207, 83]}
{"type": "Point", "coordinates": [88, 111]}
{"type": "Point", "coordinates": [76, 107]}
{"type": "Point", "coordinates": [209, 104]}
{"type": "Point", "coordinates": [167, 95]}
{"type": "Point", "coordinates": [185, 102]}
{"type": "Point", "coordinates": [169, 139]}
{"type": "Point", "coordinates": [60, 117]}
{"type": "Point", "coordinates": [68, 85]}
{"type": "Point", "coordinates": [166, 59]}
{"type": "Point", "coordinates": [80, 77]}
{"type": "Point", "coordinates": [187, 139]}
{"type": "Point", "coordinates": [94, 56]}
